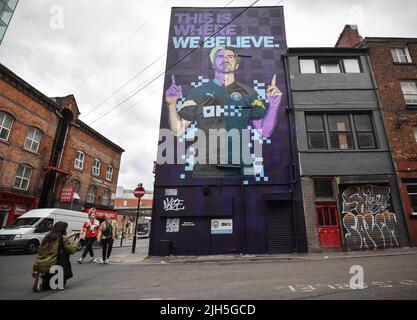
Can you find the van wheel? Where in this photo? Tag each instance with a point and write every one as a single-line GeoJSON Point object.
{"type": "Point", "coordinates": [32, 247]}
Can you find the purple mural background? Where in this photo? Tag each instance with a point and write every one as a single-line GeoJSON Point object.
{"type": "Point", "coordinates": [181, 220]}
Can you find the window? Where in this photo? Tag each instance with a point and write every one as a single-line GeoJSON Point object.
{"type": "Point", "coordinates": [96, 167]}
{"type": "Point", "coordinates": [340, 132]}
{"type": "Point", "coordinates": [91, 195]}
{"type": "Point", "coordinates": [364, 131]}
{"type": "Point", "coordinates": [76, 185]}
{"type": "Point", "coordinates": [409, 89]}
{"type": "Point", "coordinates": [316, 134]}
{"type": "Point", "coordinates": [323, 188]}
{"type": "Point", "coordinates": [307, 66]}
{"type": "Point", "coordinates": [337, 131]}
{"type": "Point", "coordinates": [79, 160]}
{"type": "Point", "coordinates": [415, 133]}
{"type": "Point", "coordinates": [22, 178]}
{"type": "Point", "coordinates": [45, 225]}
{"type": "Point", "coordinates": [351, 66]}
{"type": "Point", "coordinates": [106, 197]}
{"type": "Point", "coordinates": [412, 195]}
{"type": "Point", "coordinates": [109, 173]}
{"type": "Point", "coordinates": [329, 66]}
{"type": "Point", "coordinates": [401, 55]}
{"type": "Point", "coordinates": [33, 139]}
{"type": "Point", "coordinates": [6, 123]}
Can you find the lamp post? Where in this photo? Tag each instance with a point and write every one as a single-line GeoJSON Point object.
{"type": "Point", "coordinates": [138, 193]}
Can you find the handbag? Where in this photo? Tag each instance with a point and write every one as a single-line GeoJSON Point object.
{"type": "Point", "coordinates": [63, 260]}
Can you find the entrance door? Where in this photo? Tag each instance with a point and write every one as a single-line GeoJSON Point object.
{"type": "Point", "coordinates": [328, 226]}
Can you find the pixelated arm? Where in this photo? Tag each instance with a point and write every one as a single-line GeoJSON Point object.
{"type": "Point", "coordinates": [266, 125]}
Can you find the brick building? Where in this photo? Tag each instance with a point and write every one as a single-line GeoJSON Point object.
{"type": "Point", "coordinates": [28, 125]}
{"type": "Point", "coordinates": [394, 63]}
{"type": "Point", "coordinates": [43, 147]}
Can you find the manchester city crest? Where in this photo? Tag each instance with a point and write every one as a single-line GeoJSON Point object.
{"type": "Point", "coordinates": [236, 96]}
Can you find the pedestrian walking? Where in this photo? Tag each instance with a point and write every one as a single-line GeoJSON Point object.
{"type": "Point", "coordinates": [89, 232]}
{"type": "Point", "coordinates": [54, 249]}
{"type": "Point", "coordinates": [106, 235]}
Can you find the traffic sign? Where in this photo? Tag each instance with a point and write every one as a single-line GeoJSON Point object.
{"type": "Point", "coordinates": [139, 192]}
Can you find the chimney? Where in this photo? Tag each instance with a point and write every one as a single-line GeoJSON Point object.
{"type": "Point", "coordinates": [349, 38]}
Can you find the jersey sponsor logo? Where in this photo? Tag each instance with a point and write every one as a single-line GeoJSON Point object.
{"type": "Point", "coordinates": [222, 111]}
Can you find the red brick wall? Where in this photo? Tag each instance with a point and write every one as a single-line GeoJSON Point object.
{"type": "Point", "coordinates": [26, 113]}
{"type": "Point", "coordinates": [399, 120]}
{"type": "Point", "coordinates": [77, 139]}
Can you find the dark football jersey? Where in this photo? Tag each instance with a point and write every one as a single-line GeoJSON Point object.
{"type": "Point", "coordinates": [214, 106]}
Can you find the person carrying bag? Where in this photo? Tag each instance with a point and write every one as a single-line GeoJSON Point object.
{"type": "Point", "coordinates": [54, 249]}
{"type": "Point", "coordinates": [106, 235]}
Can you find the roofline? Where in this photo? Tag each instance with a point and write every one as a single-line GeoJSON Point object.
{"type": "Point", "coordinates": [239, 7]}
{"type": "Point", "coordinates": [324, 50]}
{"type": "Point", "coordinates": [389, 39]}
{"type": "Point", "coordinates": [90, 131]}
{"type": "Point", "coordinates": [14, 80]}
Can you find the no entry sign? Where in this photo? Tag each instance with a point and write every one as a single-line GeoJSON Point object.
{"type": "Point", "coordinates": [139, 192]}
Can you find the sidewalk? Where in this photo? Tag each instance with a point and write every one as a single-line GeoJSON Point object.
{"type": "Point", "coordinates": [131, 259]}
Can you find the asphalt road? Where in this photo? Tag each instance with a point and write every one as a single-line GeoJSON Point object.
{"type": "Point", "coordinates": [388, 277]}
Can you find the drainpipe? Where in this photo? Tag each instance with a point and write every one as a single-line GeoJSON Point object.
{"type": "Point", "coordinates": [293, 171]}
{"type": "Point", "coordinates": [394, 166]}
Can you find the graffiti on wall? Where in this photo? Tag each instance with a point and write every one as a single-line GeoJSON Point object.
{"type": "Point", "coordinates": [367, 219]}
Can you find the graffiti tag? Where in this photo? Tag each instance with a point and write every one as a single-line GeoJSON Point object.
{"type": "Point", "coordinates": [172, 204]}
{"type": "Point", "coordinates": [367, 220]}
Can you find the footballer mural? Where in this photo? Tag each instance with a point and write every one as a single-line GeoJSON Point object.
{"type": "Point", "coordinates": [224, 132]}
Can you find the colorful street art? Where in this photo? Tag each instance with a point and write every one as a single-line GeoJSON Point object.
{"type": "Point", "coordinates": [369, 224]}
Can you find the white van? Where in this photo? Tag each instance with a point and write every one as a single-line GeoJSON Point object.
{"type": "Point", "coordinates": [27, 231]}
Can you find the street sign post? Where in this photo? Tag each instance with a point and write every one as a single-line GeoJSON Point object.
{"type": "Point", "coordinates": [138, 193]}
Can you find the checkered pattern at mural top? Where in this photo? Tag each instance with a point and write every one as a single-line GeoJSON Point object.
{"type": "Point", "coordinates": [192, 68]}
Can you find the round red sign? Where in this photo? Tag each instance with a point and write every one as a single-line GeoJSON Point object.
{"type": "Point", "coordinates": [139, 192]}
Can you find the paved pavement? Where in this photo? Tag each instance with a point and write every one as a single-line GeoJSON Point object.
{"type": "Point", "coordinates": [389, 274]}
{"type": "Point", "coordinates": [231, 258]}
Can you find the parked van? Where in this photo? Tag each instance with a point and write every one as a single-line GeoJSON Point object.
{"type": "Point", "coordinates": [27, 231]}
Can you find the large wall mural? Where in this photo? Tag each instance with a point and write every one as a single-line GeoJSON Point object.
{"type": "Point", "coordinates": [368, 220]}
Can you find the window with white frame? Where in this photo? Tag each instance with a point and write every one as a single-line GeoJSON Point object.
{"type": "Point", "coordinates": [96, 167]}
{"type": "Point", "coordinates": [22, 179]}
{"type": "Point", "coordinates": [412, 195]}
{"type": "Point", "coordinates": [401, 55]}
{"type": "Point", "coordinates": [409, 89]}
{"type": "Point", "coordinates": [6, 123]}
{"type": "Point", "coordinates": [33, 139]}
{"type": "Point", "coordinates": [307, 66]}
{"type": "Point", "coordinates": [91, 195]}
{"type": "Point", "coordinates": [79, 160]}
{"type": "Point", "coordinates": [106, 198]}
{"type": "Point", "coordinates": [109, 173]}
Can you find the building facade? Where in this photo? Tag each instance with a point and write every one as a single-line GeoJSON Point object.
{"type": "Point", "coordinates": [204, 204]}
{"type": "Point", "coordinates": [93, 164]}
{"type": "Point", "coordinates": [28, 125]}
{"type": "Point", "coordinates": [350, 193]}
{"type": "Point", "coordinates": [394, 63]}
{"type": "Point", "coordinates": [44, 148]}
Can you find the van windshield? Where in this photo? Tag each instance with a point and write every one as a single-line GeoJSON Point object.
{"type": "Point", "coordinates": [22, 223]}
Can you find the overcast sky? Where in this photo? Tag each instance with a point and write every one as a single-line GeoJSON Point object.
{"type": "Point", "coordinates": [101, 44]}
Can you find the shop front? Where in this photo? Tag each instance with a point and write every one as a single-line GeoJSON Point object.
{"type": "Point", "coordinates": [13, 206]}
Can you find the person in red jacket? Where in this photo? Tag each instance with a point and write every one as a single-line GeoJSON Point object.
{"type": "Point", "coordinates": [89, 231]}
